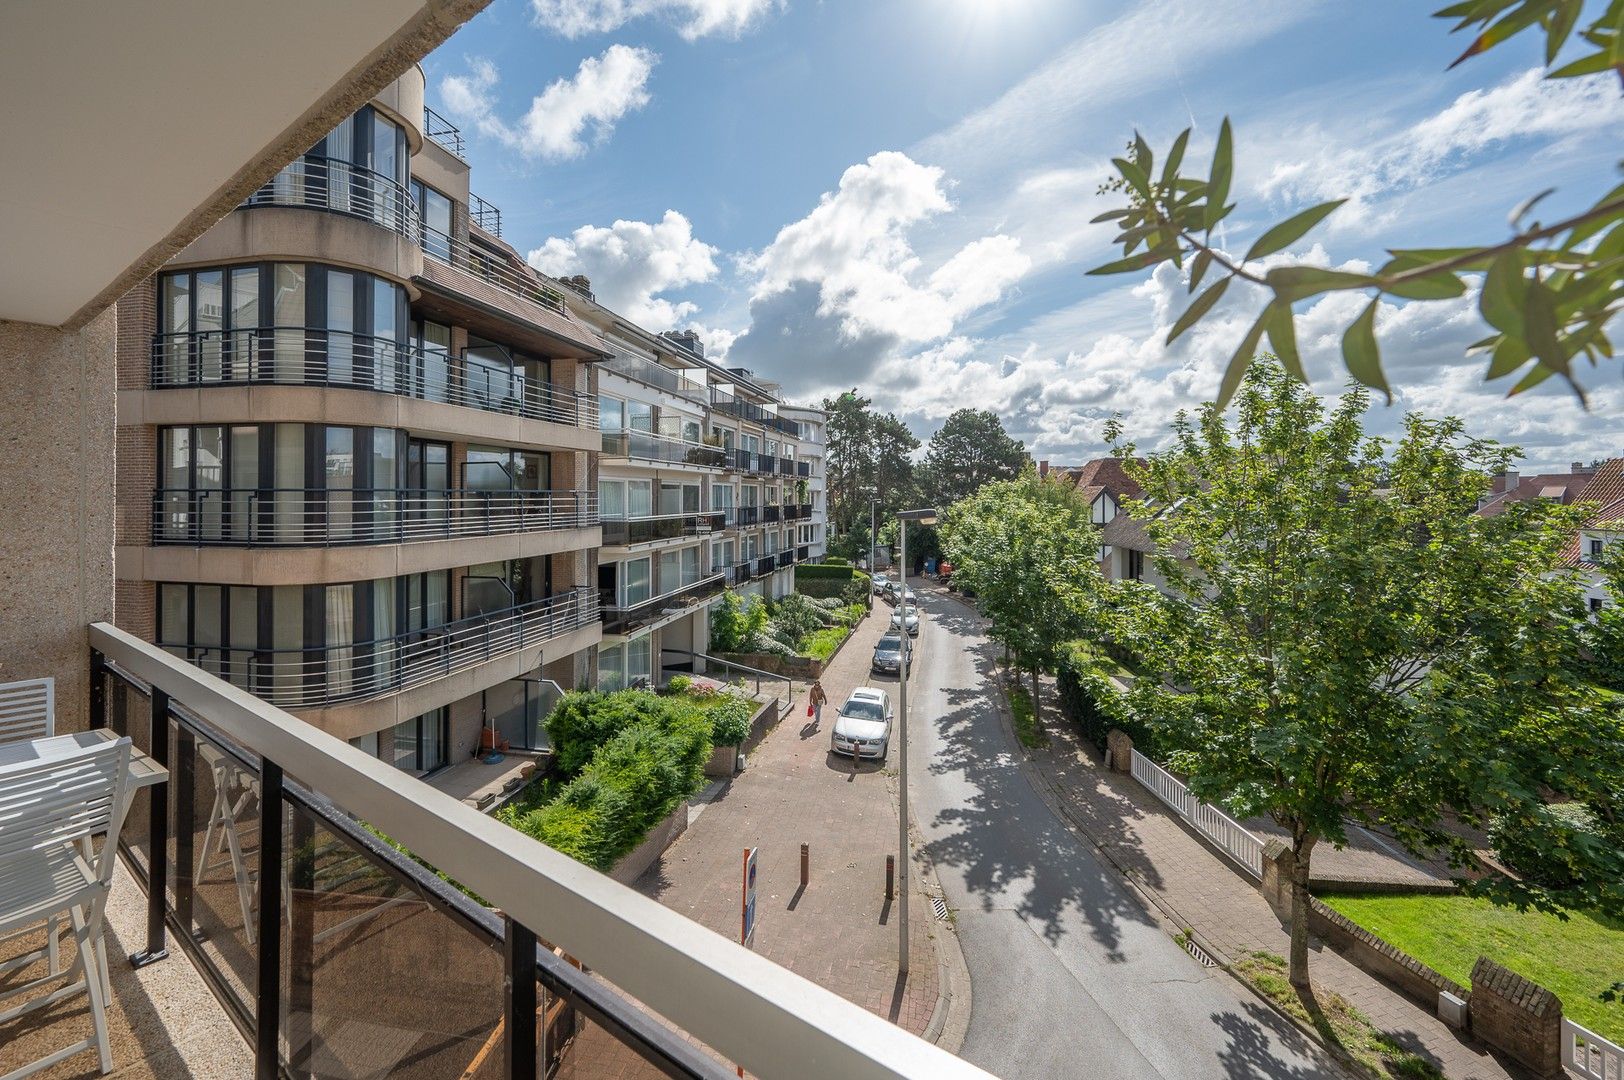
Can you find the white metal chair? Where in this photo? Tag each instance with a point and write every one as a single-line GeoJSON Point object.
{"type": "Point", "coordinates": [49, 811]}
{"type": "Point", "coordinates": [27, 710]}
{"type": "Point", "coordinates": [236, 793]}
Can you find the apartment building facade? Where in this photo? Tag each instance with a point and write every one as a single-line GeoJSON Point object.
{"type": "Point", "coordinates": [355, 436]}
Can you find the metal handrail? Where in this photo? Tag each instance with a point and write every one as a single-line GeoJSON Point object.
{"type": "Point", "coordinates": [342, 187]}
{"type": "Point", "coordinates": [442, 131]}
{"type": "Point", "coordinates": [771, 1021]}
{"type": "Point", "coordinates": [311, 356]}
{"type": "Point", "coordinates": [651, 447]}
{"type": "Point", "coordinates": [646, 529]}
{"type": "Point", "coordinates": [314, 517]}
{"type": "Point", "coordinates": [757, 672]}
{"type": "Point", "coordinates": [656, 375]}
{"type": "Point", "coordinates": [485, 215]}
{"type": "Point", "coordinates": [490, 267]}
{"type": "Point", "coordinates": [318, 677]}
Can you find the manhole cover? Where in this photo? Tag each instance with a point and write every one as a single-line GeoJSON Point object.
{"type": "Point", "coordinates": [1199, 953]}
{"type": "Point", "coordinates": [938, 907]}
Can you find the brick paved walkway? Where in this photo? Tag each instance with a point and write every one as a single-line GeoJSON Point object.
{"type": "Point", "coordinates": [839, 932]}
{"type": "Point", "coordinates": [1198, 890]}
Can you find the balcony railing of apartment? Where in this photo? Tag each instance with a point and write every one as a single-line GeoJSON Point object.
{"type": "Point", "coordinates": [490, 268]}
{"type": "Point", "coordinates": [442, 131]}
{"type": "Point", "coordinates": [727, 403]}
{"type": "Point", "coordinates": [802, 554]}
{"type": "Point", "coordinates": [303, 678]}
{"type": "Point", "coordinates": [749, 515]}
{"type": "Point", "coordinates": [792, 512]}
{"type": "Point", "coordinates": [303, 517]}
{"type": "Point", "coordinates": [656, 375]}
{"type": "Point", "coordinates": [620, 619]}
{"type": "Point", "coordinates": [806, 511]}
{"type": "Point", "coordinates": [310, 356]}
{"type": "Point", "coordinates": [786, 558]}
{"type": "Point", "coordinates": [786, 466]}
{"type": "Point", "coordinates": [803, 468]}
{"type": "Point", "coordinates": [740, 572]}
{"type": "Point", "coordinates": [343, 187]}
{"type": "Point", "coordinates": [770, 514]}
{"type": "Point", "coordinates": [766, 565]}
{"type": "Point", "coordinates": [644, 530]}
{"type": "Point", "coordinates": [319, 935]}
{"type": "Point", "coordinates": [485, 215]}
{"type": "Point", "coordinates": [650, 447]}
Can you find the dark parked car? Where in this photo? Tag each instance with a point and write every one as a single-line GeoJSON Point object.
{"type": "Point", "coordinates": [888, 655]}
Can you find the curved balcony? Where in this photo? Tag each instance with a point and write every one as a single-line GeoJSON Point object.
{"type": "Point", "coordinates": [303, 517]}
{"type": "Point", "coordinates": [645, 446]}
{"type": "Point", "coordinates": [342, 187]}
{"type": "Point", "coordinates": [319, 677]}
{"type": "Point", "coordinates": [310, 356]}
{"type": "Point", "coordinates": [622, 532]}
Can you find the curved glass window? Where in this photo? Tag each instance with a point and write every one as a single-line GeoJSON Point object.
{"type": "Point", "coordinates": [359, 168]}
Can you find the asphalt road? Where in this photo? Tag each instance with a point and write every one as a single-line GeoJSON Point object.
{"type": "Point", "coordinates": [1070, 975]}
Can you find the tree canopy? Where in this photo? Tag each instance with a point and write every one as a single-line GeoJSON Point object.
{"type": "Point", "coordinates": [970, 449]}
{"type": "Point", "coordinates": [869, 459]}
{"type": "Point", "coordinates": [1344, 639]}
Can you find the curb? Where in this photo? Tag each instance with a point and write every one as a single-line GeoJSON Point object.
{"type": "Point", "coordinates": [950, 1020]}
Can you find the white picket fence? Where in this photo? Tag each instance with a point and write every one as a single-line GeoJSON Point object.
{"type": "Point", "coordinates": [1589, 1055]}
{"type": "Point", "coordinates": [1229, 835]}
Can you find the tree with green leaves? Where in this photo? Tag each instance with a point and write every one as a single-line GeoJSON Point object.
{"type": "Point", "coordinates": [870, 458]}
{"type": "Point", "coordinates": [970, 449]}
{"type": "Point", "coordinates": [1028, 551]}
{"type": "Point", "coordinates": [1343, 639]}
{"type": "Point", "coordinates": [1548, 292]}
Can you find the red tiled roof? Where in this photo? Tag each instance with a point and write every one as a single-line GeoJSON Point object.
{"type": "Point", "coordinates": [1097, 476]}
{"type": "Point", "coordinates": [1564, 487]}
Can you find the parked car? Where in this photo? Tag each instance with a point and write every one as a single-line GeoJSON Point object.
{"type": "Point", "coordinates": [894, 588]}
{"type": "Point", "coordinates": [863, 728]}
{"type": "Point", "coordinates": [882, 582]}
{"type": "Point", "coordinates": [908, 614]}
{"type": "Point", "coordinates": [888, 655]}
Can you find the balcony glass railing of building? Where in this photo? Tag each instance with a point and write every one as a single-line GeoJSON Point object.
{"type": "Point", "coordinates": [731, 405]}
{"type": "Point", "coordinates": [806, 511]}
{"type": "Point", "coordinates": [304, 678]}
{"type": "Point", "coordinates": [620, 616]}
{"type": "Point", "coordinates": [803, 468]}
{"type": "Point", "coordinates": [748, 515]}
{"type": "Point", "coordinates": [300, 517]}
{"type": "Point", "coordinates": [647, 446]}
{"type": "Point", "coordinates": [786, 558]}
{"type": "Point", "coordinates": [314, 932]}
{"type": "Point", "coordinates": [310, 356]}
{"type": "Point", "coordinates": [770, 514]}
{"type": "Point", "coordinates": [766, 565]}
{"type": "Point", "coordinates": [802, 554]}
{"type": "Point", "coordinates": [786, 466]}
{"type": "Point", "coordinates": [342, 187]}
{"type": "Point", "coordinates": [656, 375]}
{"type": "Point", "coordinates": [493, 269]}
{"type": "Point", "coordinates": [644, 530]}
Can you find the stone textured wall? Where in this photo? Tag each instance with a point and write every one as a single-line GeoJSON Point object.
{"type": "Point", "coordinates": [56, 499]}
{"type": "Point", "coordinates": [1517, 1016]}
{"type": "Point", "coordinates": [1120, 744]}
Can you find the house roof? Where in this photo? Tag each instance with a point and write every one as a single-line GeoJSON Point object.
{"type": "Point", "coordinates": [1100, 476]}
{"type": "Point", "coordinates": [1126, 531]}
{"type": "Point", "coordinates": [1564, 487]}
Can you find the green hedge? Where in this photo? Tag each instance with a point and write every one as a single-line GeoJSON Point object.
{"type": "Point", "coordinates": [1092, 701]}
{"type": "Point", "coordinates": [585, 720]}
{"type": "Point", "coordinates": [825, 570]}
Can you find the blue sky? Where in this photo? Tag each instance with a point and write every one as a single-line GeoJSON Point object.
{"type": "Point", "coordinates": [895, 194]}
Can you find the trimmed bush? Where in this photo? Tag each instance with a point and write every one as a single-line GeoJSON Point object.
{"type": "Point", "coordinates": [1092, 701]}
{"type": "Point", "coordinates": [730, 721]}
{"type": "Point", "coordinates": [586, 719]}
{"type": "Point", "coordinates": [828, 569]}
{"type": "Point", "coordinates": [679, 684]}
{"type": "Point", "coordinates": [833, 560]}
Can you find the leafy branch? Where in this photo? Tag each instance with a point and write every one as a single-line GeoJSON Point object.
{"type": "Point", "coordinates": [1548, 291]}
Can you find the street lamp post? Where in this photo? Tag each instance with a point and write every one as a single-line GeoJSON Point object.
{"type": "Point", "coordinates": [921, 517]}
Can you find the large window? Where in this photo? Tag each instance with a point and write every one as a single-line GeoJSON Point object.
{"type": "Point", "coordinates": [503, 379]}
{"type": "Point", "coordinates": [359, 168]}
{"type": "Point", "coordinates": [420, 745]}
{"type": "Point", "coordinates": [635, 584]}
{"type": "Point", "coordinates": [434, 209]}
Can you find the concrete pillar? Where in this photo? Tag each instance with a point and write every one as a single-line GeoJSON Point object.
{"type": "Point", "coordinates": [56, 503]}
{"type": "Point", "coordinates": [1276, 883]}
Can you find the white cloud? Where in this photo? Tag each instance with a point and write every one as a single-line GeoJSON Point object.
{"type": "Point", "coordinates": [694, 18]}
{"type": "Point", "coordinates": [631, 262]}
{"type": "Point", "coordinates": [564, 115]}
{"type": "Point", "coordinates": [854, 248]}
{"type": "Point", "coordinates": [1367, 167]}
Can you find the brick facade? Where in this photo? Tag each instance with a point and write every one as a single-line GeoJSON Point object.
{"type": "Point", "coordinates": [1517, 1016]}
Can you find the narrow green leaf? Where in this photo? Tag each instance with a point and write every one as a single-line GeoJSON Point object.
{"type": "Point", "coordinates": [1361, 354]}
{"type": "Point", "coordinates": [1594, 64]}
{"type": "Point", "coordinates": [1134, 175]}
{"type": "Point", "coordinates": [1509, 355]}
{"type": "Point", "coordinates": [1520, 211]}
{"type": "Point", "coordinates": [1175, 158]}
{"type": "Point", "coordinates": [1556, 34]}
{"type": "Point", "coordinates": [1539, 320]}
{"type": "Point", "coordinates": [1240, 362]}
{"type": "Point", "coordinates": [1109, 215]}
{"type": "Point", "coordinates": [1223, 168]}
{"type": "Point", "coordinates": [1503, 293]}
{"type": "Point", "coordinates": [1292, 283]}
{"type": "Point", "coordinates": [1123, 266]}
{"type": "Point", "coordinates": [1423, 256]}
{"type": "Point", "coordinates": [1198, 268]}
{"type": "Point", "coordinates": [1142, 156]}
{"type": "Point", "coordinates": [1199, 307]}
{"type": "Point", "coordinates": [1282, 330]}
{"type": "Point", "coordinates": [1531, 380]}
{"type": "Point", "coordinates": [1440, 286]}
{"type": "Point", "coordinates": [1291, 229]}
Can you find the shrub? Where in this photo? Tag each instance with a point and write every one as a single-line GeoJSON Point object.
{"type": "Point", "coordinates": [763, 642]}
{"type": "Point", "coordinates": [834, 560]}
{"type": "Point", "coordinates": [586, 719]}
{"type": "Point", "coordinates": [730, 721]}
{"type": "Point", "coordinates": [1092, 701]}
{"type": "Point", "coordinates": [799, 616]}
{"type": "Point", "coordinates": [826, 569]}
{"type": "Point", "coordinates": [735, 619]}
{"type": "Point", "coordinates": [680, 684]}
{"type": "Point", "coordinates": [1541, 846]}
{"type": "Point", "coordinates": [821, 644]}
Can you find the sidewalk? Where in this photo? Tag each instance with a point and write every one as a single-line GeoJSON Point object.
{"type": "Point", "coordinates": [839, 932]}
{"type": "Point", "coordinates": [1197, 890]}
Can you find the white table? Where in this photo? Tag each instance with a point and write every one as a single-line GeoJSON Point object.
{"type": "Point", "coordinates": [145, 772]}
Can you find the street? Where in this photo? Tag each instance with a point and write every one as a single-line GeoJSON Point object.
{"type": "Point", "coordinates": [1071, 976]}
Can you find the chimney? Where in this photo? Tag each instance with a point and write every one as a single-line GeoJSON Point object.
{"type": "Point", "coordinates": [1043, 468]}
{"type": "Point", "coordinates": [580, 283]}
{"type": "Point", "coordinates": [1579, 466]}
{"type": "Point", "coordinates": [1511, 480]}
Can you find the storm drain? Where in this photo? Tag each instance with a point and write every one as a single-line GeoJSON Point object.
{"type": "Point", "coordinates": [938, 907]}
{"type": "Point", "coordinates": [1199, 953]}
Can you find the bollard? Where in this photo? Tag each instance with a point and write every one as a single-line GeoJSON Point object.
{"type": "Point", "coordinates": [806, 865]}
{"type": "Point", "coordinates": [890, 877]}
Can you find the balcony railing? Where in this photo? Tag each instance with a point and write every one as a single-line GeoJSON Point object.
{"type": "Point", "coordinates": [491, 268]}
{"type": "Point", "coordinates": [656, 375]}
{"type": "Point", "coordinates": [342, 187]}
{"type": "Point", "coordinates": [766, 565]}
{"type": "Point", "coordinates": [786, 466]}
{"type": "Point", "coordinates": [786, 558]}
{"type": "Point", "coordinates": [485, 215]}
{"type": "Point", "coordinates": [770, 514]}
{"type": "Point", "coordinates": [749, 515]}
{"type": "Point", "coordinates": [442, 131]}
{"type": "Point", "coordinates": [620, 619]}
{"type": "Point", "coordinates": [309, 356]}
{"type": "Point", "coordinates": [320, 928]}
{"type": "Point", "coordinates": [302, 678]}
{"type": "Point", "coordinates": [301, 517]}
{"type": "Point", "coordinates": [803, 468]}
{"type": "Point", "coordinates": [618, 532]}
{"type": "Point", "coordinates": [792, 512]}
{"type": "Point", "coordinates": [806, 511]}
{"type": "Point", "coordinates": [727, 403]}
{"type": "Point", "coordinates": [650, 447]}
{"type": "Point", "coordinates": [802, 554]}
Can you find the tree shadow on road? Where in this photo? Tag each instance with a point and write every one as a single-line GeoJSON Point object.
{"type": "Point", "coordinates": [1258, 1041]}
{"type": "Point", "coordinates": [1004, 839]}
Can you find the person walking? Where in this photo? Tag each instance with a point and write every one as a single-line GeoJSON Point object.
{"type": "Point", "coordinates": [815, 699]}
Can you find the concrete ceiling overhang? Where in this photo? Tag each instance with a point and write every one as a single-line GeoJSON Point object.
{"type": "Point", "coordinates": [129, 128]}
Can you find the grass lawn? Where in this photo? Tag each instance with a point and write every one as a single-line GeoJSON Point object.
{"type": "Point", "coordinates": [1026, 720]}
{"type": "Point", "coordinates": [1577, 960]}
{"type": "Point", "coordinates": [821, 644]}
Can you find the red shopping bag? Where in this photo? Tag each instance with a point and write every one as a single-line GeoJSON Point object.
{"type": "Point", "coordinates": [809, 708]}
